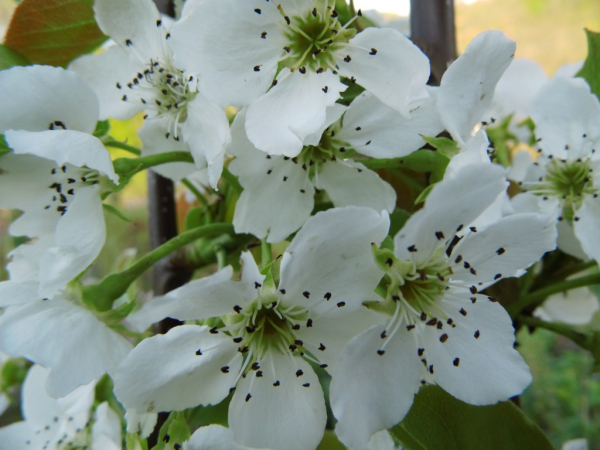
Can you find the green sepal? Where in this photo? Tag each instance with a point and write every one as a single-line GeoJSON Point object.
{"type": "Point", "coordinates": [133, 441]}
{"type": "Point", "coordinates": [104, 393]}
{"type": "Point", "coordinates": [438, 421]}
{"type": "Point", "coordinates": [175, 431]}
{"type": "Point", "coordinates": [267, 271]}
{"type": "Point", "coordinates": [102, 128]}
{"type": "Point", "coordinates": [424, 194]}
{"type": "Point", "coordinates": [590, 71]}
{"type": "Point", "coordinates": [11, 58]}
{"type": "Point", "coordinates": [116, 315]}
{"type": "Point", "coordinates": [111, 209]}
{"type": "Point", "coordinates": [499, 136]}
{"type": "Point", "coordinates": [330, 442]}
{"type": "Point", "coordinates": [445, 146]}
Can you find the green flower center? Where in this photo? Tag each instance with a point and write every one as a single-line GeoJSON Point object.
{"type": "Point", "coordinates": [568, 180]}
{"type": "Point", "coordinates": [313, 38]}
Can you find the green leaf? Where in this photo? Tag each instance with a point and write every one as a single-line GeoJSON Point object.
{"type": "Point", "coordinates": [438, 421]}
{"type": "Point", "coordinates": [4, 148]}
{"type": "Point", "coordinates": [102, 128]}
{"type": "Point", "coordinates": [10, 58]}
{"type": "Point", "coordinates": [54, 32]}
{"type": "Point", "coordinates": [445, 146]}
{"type": "Point", "coordinates": [590, 71]}
{"type": "Point", "coordinates": [397, 220]}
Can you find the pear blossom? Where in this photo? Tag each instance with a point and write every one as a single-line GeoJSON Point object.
{"type": "Point", "coordinates": [563, 181]}
{"type": "Point", "coordinates": [55, 174]}
{"type": "Point", "coordinates": [63, 423]}
{"type": "Point", "coordinates": [575, 307]}
{"type": "Point", "coordinates": [284, 59]}
{"type": "Point", "coordinates": [138, 74]}
{"type": "Point", "coordinates": [442, 329]}
{"type": "Point", "coordinates": [279, 191]}
{"type": "Point", "coordinates": [259, 337]}
{"type": "Point", "coordinates": [35, 329]}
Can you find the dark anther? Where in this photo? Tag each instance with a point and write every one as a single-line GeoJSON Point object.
{"type": "Point", "coordinates": [463, 311]}
{"type": "Point", "coordinates": [128, 42]}
{"type": "Point", "coordinates": [248, 397]}
{"type": "Point", "coordinates": [380, 352]}
{"type": "Point", "coordinates": [443, 338]}
{"type": "Point", "coordinates": [322, 347]}
{"type": "Point", "coordinates": [347, 59]}
{"type": "Point", "coordinates": [277, 383]}
{"type": "Point", "coordinates": [327, 295]}
{"type": "Point", "coordinates": [473, 290]}
{"type": "Point", "coordinates": [214, 330]}
{"type": "Point", "coordinates": [257, 285]}
{"type": "Point", "coordinates": [296, 326]}
{"type": "Point", "coordinates": [257, 11]}
{"type": "Point", "coordinates": [477, 334]}
{"type": "Point", "coordinates": [439, 235]}
{"type": "Point", "coordinates": [263, 35]}
{"type": "Point", "coordinates": [456, 362]}
{"type": "Point", "coordinates": [306, 294]}
{"type": "Point", "coordinates": [225, 369]}
{"type": "Point", "coordinates": [497, 276]}
{"type": "Point", "coordinates": [325, 89]}
{"type": "Point", "coordinates": [306, 385]}
{"type": "Point", "coordinates": [198, 352]}
{"type": "Point", "coordinates": [237, 340]}
{"type": "Point", "coordinates": [373, 52]}
{"type": "Point", "coordinates": [340, 304]}
{"type": "Point", "coordinates": [299, 373]}
{"type": "Point", "coordinates": [237, 309]}
{"type": "Point", "coordinates": [500, 251]}
{"type": "Point", "coordinates": [302, 70]}
{"type": "Point", "coordinates": [309, 323]}
{"type": "Point", "coordinates": [282, 291]}
{"type": "Point", "coordinates": [257, 68]}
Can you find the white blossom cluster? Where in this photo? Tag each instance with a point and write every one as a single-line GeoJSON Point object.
{"type": "Point", "coordinates": [381, 313]}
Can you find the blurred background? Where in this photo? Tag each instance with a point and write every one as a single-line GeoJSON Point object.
{"type": "Point", "coordinates": [564, 399]}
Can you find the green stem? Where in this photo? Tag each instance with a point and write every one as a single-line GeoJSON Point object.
{"type": "Point", "coordinates": [127, 167]}
{"type": "Point", "coordinates": [232, 180]}
{"type": "Point", "coordinates": [576, 268]}
{"type": "Point", "coordinates": [102, 295]}
{"type": "Point", "coordinates": [188, 184]}
{"type": "Point", "coordinates": [581, 339]}
{"type": "Point", "coordinates": [265, 252]}
{"type": "Point", "coordinates": [111, 142]}
{"type": "Point", "coordinates": [221, 256]}
{"type": "Point", "coordinates": [538, 296]}
{"type": "Point", "coordinates": [386, 163]}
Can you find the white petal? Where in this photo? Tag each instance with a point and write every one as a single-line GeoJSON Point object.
{"type": "Point", "coordinates": [332, 255]}
{"type": "Point", "coordinates": [586, 228]}
{"type": "Point", "coordinates": [132, 25]}
{"type": "Point", "coordinates": [154, 138]}
{"type": "Point", "coordinates": [80, 236]}
{"type": "Point", "coordinates": [16, 435]}
{"type": "Point", "coordinates": [14, 293]}
{"type": "Point", "coordinates": [498, 251]}
{"type": "Point", "coordinates": [330, 332]}
{"type": "Point", "coordinates": [226, 65]}
{"type": "Point", "coordinates": [36, 331]}
{"type": "Point", "coordinates": [276, 201]}
{"type": "Point", "coordinates": [382, 440]}
{"type": "Point", "coordinates": [40, 409]}
{"type": "Point", "coordinates": [103, 72]}
{"type": "Point", "coordinates": [206, 130]}
{"type": "Point", "coordinates": [389, 134]}
{"type": "Point", "coordinates": [211, 296]}
{"type": "Point", "coordinates": [467, 87]}
{"type": "Point", "coordinates": [278, 122]}
{"type": "Point", "coordinates": [372, 392]}
{"type": "Point", "coordinates": [22, 179]}
{"type": "Point", "coordinates": [564, 110]}
{"type": "Point", "coordinates": [332, 115]}
{"type": "Point", "coordinates": [251, 275]}
{"type": "Point", "coordinates": [350, 183]}
{"type": "Point", "coordinates": [518, 85]}
{"type": "Point", "coordinates": [184, 378]}
{"type": "Point", "coordinates": [289, 416]}
{"type": "Point", "coordinates": [64, 146]}
{"type": "Point", "coordinates": [36, 96]}
{"type": "Point", "coordinates": [474, 151]}
{"type": "Point", "coordinates": [453, 204]}
{"type": "Point", "coordinates": [143, 423]}
{"type": "Point", "coordinates": [488, 369]}
{"type": "Point", "coordinates": [106, 431]}
{"type": "Point", "coordinates": [575, 307]}
{"type": "Point", "coordinates": [212, 437]}
{"type": "Point", "coordinates": [396, 74]}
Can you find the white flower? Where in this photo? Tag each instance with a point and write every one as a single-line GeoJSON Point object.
{"type": "Point", "coordinates": [35, 329]}
{"type": "Point", "coordinates": [467, 87]}
{"type": "Point", "coordinates": [279, 191]}
{"type": "Point", "coordinates": [285, 58]}
{"type": "Point", "coordinates": [139, 75]}
{"type": "Point", "coordinates": [54, 174]}
{"type": "Point", "coordinates": [63, 423]}
{"type": "Point", "coordinates": [213, 437]}
{"type": "Point", "coordinates": [442, 330]}
{"type": "Point", "coordinates": [563, 182]}
{"type": "Point", "coordinates": [262, 335]}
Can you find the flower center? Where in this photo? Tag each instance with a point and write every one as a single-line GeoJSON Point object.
{"type": "Point", "coordinates": [164, 90]}
{"type": "Point", "coordinates": [314, 37]}
{"type": "Point", "coordinates": [569, 181]}
{"type": "Point", "coordinates": [65, 182]}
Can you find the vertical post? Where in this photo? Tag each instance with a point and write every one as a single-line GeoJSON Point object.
{"type": "Point", "coordinates": [432, 29]}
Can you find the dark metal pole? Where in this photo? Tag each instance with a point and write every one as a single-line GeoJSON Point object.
{"type": "Point", "coordinates": [432, 29]}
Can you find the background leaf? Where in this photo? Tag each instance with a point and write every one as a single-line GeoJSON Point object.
{"type": "Point", "coordinates": [438, 421]}
{"type": "Point", "coordinates": [590, 71]}
{"type": "Point", "coordinates": [10, 58]}
{"type": "Point", "coordinates": [54, 32]}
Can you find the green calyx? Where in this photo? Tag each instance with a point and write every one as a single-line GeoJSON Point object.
{"type": "Point", "coordinates": [312, 39]}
